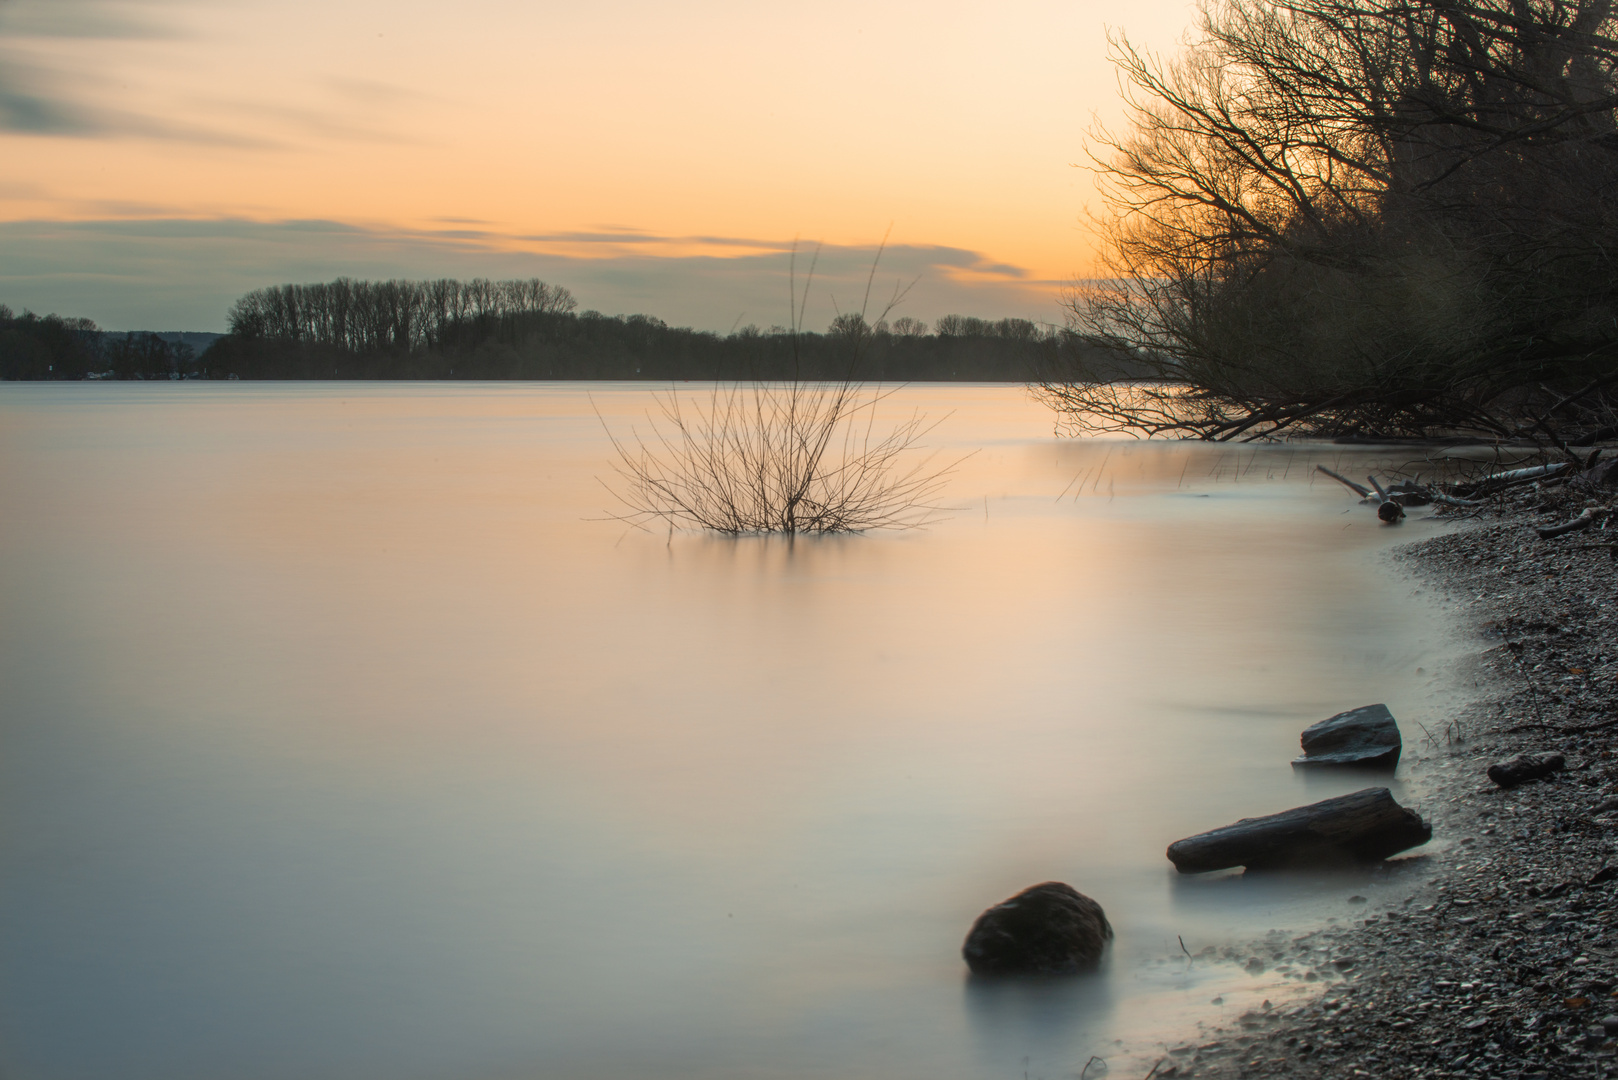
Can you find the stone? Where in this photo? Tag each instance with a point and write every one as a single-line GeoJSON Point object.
{"type": "Point", "coordinates": [1049, 929]}
{"type": "Point", "coordinates": [1364, 738]}
{"type": "Point", "coordinates": [1526, 767]}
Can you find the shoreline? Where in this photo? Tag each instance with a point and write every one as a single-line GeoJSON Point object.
{"type": "Point", "coordinates": [1501, 960]}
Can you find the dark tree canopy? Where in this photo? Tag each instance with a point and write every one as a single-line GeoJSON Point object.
{"type": "Point", "coordinates": [49, 347]}
{"type": "Point", "coordinates": [1360, 217]}
{"type": "Point", "coordinates": [530, 330]}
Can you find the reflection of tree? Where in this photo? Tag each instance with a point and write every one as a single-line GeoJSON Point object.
{"type": "Point", "coordinates": [1380, 216]}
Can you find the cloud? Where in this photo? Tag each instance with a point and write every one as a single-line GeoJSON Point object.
{"type": "Point", "coordinates": [27, 107]}
{"type": "Point", "coordinates": [31, 104]}
{"type": "Point", "coordinates": [38, 98]}
{"type": "Point", "coordinates": [184, 274]}
{"type": "Point", "coordinates": [119, 20]}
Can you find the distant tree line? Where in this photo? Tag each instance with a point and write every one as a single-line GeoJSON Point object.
{"type": "Point", "coordinates": [481, 329]}
{"type": "Point", "coordinates": [51, 347]}
{"type": "Point", "coordinates": [395, 316]}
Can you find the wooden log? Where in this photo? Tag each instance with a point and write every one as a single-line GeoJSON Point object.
{"type": "Point", "coordinates": [1526, 767]}
{"type": "Point", "coordinates": [1510, 479]}
{"type": "Point", "coordinates": [1363, 827]}
{"type": "Point", "coordinates": [1583, 521]}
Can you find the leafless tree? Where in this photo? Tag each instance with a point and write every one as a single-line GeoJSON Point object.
{"type": "Point", "coordinates": [783, 457]}
{"type": "Point", "coordinates": [1392, 217]}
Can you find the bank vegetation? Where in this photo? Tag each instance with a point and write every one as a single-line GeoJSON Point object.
{"type": "Point", "coordinates": [1372, 218]}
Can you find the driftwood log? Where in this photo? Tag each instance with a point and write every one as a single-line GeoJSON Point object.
{"type": "Point", "coordinates": [1583, 521]}
{"type": "Point", "coordinates": [1526, 767]}
{"type": "Point", "coordinates": [1498, 481]}
{"type": "Point", "coordinates": [1363, 827]}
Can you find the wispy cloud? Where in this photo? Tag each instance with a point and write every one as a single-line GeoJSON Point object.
{"type": "Point", "coordinates": [119, 20]}
{"type": "Point", "coordinates": [26, 106]}
{"type": "Point", "coordinates": [43, 94]}
{"type": "Point", "coordinates": [175, 273]}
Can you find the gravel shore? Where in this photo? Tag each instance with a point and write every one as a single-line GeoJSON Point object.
{"type": "Point", "coordinates": [1501, 960]}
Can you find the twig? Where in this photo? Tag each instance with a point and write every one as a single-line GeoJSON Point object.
{"type": "Point", "coordinates": [1159, 1065]}
{"type": "Point", "coordinates": [1182, 946]}
{"type": "Point", "coordinates": [1577, 730]}
{"type": "Point", "coordinates": [1093, 1059]}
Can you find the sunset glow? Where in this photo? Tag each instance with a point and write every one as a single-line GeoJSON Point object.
{"type": "Point", "coordinates": [629, 150]}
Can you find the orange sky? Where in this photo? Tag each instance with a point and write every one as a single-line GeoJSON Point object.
{"type": "Point", "coordinates": [563, 140]}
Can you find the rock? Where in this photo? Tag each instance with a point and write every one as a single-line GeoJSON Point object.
{"type": "Point", "coordinates": [1525, 767]}
{"type": "Point", "coordinates": [1366, 738]}
{"type": "Point", "coordinates": [1610, 1024]}
{"type": "Point", "coordinates": [1365, 826]}
{"type": "Point", "coordinates": [1049, 929]}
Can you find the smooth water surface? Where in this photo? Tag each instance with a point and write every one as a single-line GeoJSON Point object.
{"type": "Point", "coordinates": [343, 735]}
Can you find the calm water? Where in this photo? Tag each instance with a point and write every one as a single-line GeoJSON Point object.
{"type": "Point", "coordinates": [341, 738]}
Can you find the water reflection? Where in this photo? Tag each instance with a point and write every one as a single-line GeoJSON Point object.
{"type": "Point", "coordinates": [343, 738]}
{"type": "Point", "coordinates": [1050, 1021]}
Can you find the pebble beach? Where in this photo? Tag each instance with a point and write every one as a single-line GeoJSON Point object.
{"type": "Point", "coordinates": [1495, 955]}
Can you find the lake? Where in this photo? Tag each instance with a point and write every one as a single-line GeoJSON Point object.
{"type": "Point", "coordinates": [344, 734]}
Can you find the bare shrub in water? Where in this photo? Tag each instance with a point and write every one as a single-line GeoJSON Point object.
{"type": "Point", "coordinates": [788, 457]}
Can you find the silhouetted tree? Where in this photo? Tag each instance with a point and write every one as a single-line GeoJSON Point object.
{"type": "Point", "coordinates": [1392, 217]}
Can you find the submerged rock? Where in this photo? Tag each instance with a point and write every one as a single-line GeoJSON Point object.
{"type": "Point", "coordinates": [1365, 738]}
{"type": "Point", "coordinates": [1049, 929]}
{"type": "Point", "coordinates": [1526, 767]}
{"type": "Point", "coordinates": [1363, 827]}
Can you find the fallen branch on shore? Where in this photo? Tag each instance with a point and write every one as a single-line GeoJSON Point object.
{"type": "Point", "coordinates": [1406, 493]}
{"type": "Point", "coordinates": [1362, 492]}
{"type": "Point", "coordinates": [1588, 518]}
{"type": "Point", "coordinates": [1576, 730]}
{"type": "Point", "coordinates": [1499, 481]}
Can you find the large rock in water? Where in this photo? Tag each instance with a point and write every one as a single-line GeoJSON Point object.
{"type": "Point", "coordinates": [1366, 738]}
{"type": "Point", "coordinates": [1050, 929]}
{"type": "Point", "coordinates": [1363, 827]}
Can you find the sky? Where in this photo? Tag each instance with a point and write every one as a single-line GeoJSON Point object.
{"type": "Point", "coordinates": [158, 158]}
